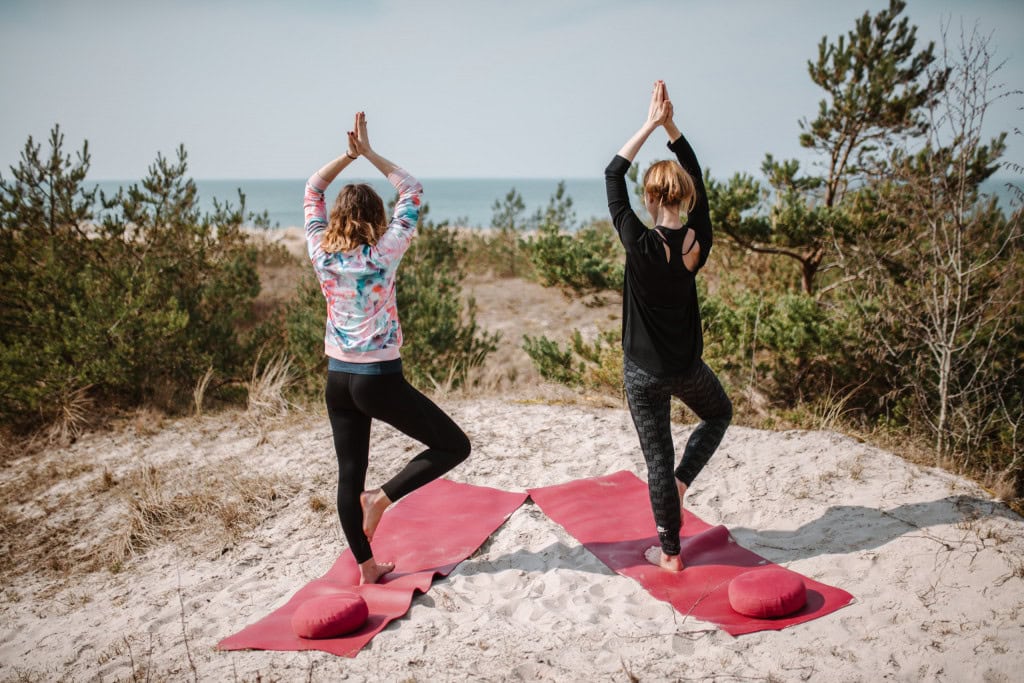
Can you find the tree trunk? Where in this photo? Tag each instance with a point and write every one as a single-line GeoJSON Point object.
{"type": "Point", "coordinates": [810, 262]}
{"type": "Point", "coordinates": [940, 423]}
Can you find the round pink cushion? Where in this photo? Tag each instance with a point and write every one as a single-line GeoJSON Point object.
{"type": "Point", "coordinates": [330, 616]}
{"type": "Point", "coordinates": [766, 593]}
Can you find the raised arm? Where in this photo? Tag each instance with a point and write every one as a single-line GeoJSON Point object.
{"type": "Point", "coordinates": [402, 226]}
{"type": "Point", "coordinates": [700, 218]}
{"type": "Point", "coordinates": [314, 207]}
{"type": "Point", "coordinates": [626, 223]}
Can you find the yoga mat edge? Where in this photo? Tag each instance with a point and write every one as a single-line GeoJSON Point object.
{"type": "Point", "coordinates": [427, 534]}
{"type": "Point", "coordinates": [611, 516]}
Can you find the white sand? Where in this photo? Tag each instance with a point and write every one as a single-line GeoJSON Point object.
{"type": "Point", "coordinates": [935, 566]}
{"type": "Point", "coordinates": [292, 238]}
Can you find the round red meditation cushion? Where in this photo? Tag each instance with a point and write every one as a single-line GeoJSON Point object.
{"type": "Point", "coordinates": [330, 616]}
{"type": "Point", "coordinates": [767, 593]}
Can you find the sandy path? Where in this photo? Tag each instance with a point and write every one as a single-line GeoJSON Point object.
{"type": "Point", "coordinates": [935, 566]}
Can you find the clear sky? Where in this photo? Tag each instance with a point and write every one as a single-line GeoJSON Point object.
{"type": "Point", "coordinates": [453, 88]}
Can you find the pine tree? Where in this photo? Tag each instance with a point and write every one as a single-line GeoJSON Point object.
{"type": "Point", "coordinates": [876, 86]}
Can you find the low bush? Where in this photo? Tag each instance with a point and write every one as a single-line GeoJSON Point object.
{"type": "Point", "coordinates": [442, 339]}
{"type": "Point", "coordinates": [126, 301]}
{"type": "Point", "coordinates": [502, 251]}
{"type": "Point", "coordinates": [581, 261]}
{"type": "Point", "coordinates": [596, 365]}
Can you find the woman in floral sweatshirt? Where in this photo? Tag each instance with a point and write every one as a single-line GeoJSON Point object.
{"type": "Point", "coordinates": [355, 252]}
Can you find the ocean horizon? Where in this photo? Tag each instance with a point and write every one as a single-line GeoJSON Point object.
{"type": "Point", "coordinates": [466, 202]}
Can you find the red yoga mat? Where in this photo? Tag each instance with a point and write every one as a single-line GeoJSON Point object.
{"type": "Point", "coordinates": [426, 534]}
{"type": "Point", "coordinates": [611, 516]}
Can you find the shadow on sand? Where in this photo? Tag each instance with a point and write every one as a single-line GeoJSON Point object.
{"type": "Point", "coordinates": [851, 528]}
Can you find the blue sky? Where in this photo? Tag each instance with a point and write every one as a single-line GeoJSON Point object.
{"type": "Point", "coordinates": [549, 89]}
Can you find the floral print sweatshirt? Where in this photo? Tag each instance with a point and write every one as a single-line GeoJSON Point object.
{"type": "Point", "coordinates": [359, 285]}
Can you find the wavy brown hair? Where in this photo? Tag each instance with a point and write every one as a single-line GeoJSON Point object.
{"type": "Point", "coordinates": [357, 218]}
{"type": "Point", "coordinates": [669, 184]}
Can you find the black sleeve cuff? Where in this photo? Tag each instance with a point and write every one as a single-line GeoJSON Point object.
{"type": "Point", "coordinates": [618, 166]}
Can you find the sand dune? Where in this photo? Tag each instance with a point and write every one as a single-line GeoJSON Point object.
{"type": "Point", "coordinates": [935, 565]}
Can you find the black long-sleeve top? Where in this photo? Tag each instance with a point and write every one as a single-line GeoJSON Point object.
{"type": "Point", "coordinates": [661, 329]}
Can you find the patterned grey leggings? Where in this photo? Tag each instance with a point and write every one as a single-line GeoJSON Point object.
{"type": "Point", "coordinates": [649, 403]}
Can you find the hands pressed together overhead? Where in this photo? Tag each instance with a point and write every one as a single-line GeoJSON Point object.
{"type": "Point", "coordinates": [358, 146]}
{"type": "Point", "coordinates": [358, 137]}
{"type": "Point", "coordinates": [660, 112]}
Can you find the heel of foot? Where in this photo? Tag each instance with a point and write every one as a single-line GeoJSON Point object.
{"type": "Point", "coordinates": [655, 556]}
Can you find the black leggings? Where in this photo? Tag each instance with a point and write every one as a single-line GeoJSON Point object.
{"type": "Point", "coordinates": [649, 403]}
{"type": "Point", "coordinates": [352, 402]}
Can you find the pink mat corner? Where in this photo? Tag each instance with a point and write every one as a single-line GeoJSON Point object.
{"type": "Point", "coordinates": [611, 516]}
{"type": "Point", "coordinates": [426, 534]}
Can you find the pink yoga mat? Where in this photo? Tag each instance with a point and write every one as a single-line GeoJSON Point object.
{"type": "Point", "coordinates": [426, 534]}
{"type": "Point", "coordinates": [611, 516]}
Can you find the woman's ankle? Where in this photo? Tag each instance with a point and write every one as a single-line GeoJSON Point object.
{"type": "Point", "coordinates": [377, 498]}
{"type": "Point", "coordinates": [656, 556]}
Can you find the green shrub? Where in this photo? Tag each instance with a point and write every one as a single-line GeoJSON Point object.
{"type": "Point", "coordinates": [298, 329]}
{"type": "Point", "coordinates": [506, 250]}
{"type": "Point", "coordinates": [442, 339]}
{"type": "Point", "coordinates": [584, 261]}
{"type": "Point", "coordinates": [552, 362]}
{"type": "Point", "coordinates": [787, 344]}
{"type": "Point", "coordinates": [597, 365]}
{"type": "Point", "coordinates": [128, 306]}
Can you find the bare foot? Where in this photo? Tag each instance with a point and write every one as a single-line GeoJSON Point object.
{"type": "Point", "coordinates": [672, 563]}
{"type": "Point", "coordinates": [371, 570]}
{"type": "Point", "coordinates": [682, 492]}
{"type": "Point", "coordinates": [374, 504]}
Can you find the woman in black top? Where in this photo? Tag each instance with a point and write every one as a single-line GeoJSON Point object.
{"type": "Point", "coordinates": [661, 330]}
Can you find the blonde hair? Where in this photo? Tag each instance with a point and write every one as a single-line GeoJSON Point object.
{"type": "Point", "coordinates": [357, 218]}
{"type": "Point", "coordinates": [668, 183]}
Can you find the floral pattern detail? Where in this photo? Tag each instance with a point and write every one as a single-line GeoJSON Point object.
{"type": "Point", "coordinates": [359, 285]}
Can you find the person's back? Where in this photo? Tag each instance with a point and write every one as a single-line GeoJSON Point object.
{"type": "Point", "coordinates": [662, 339]}
{"type": "Point", "coordinates": [355, 254]}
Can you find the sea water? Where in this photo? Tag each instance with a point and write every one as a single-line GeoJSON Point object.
{"type": "Point", "coordinates": [462, 202]}
{"type": "Point", "coordinates": [467, 202]}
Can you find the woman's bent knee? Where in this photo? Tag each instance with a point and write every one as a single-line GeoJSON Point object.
{"type": "Point", "coordinates": [726, 416]}
{"type": "Point", "coordinates": [462, 448]}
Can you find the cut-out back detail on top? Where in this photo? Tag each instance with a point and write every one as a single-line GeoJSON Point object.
{"type": "Point", "coordinates": [668, 252]}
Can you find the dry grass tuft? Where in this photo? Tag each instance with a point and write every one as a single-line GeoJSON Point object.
{"type": "Point", "coordinates": [199, 393]}
{"type": "Point", "coordinates": [444, 388]}
{"type": "Point", "coordinates": [831, 412]}
{"type": "Point", "coordinates": [20, 675]}
{"type": "Point", "coordinates": [48, 526]}
{"type": "Point", "coordinates": [227, 502]}
{"type": "Point", "coordinates": [267, 389]}
{"type": "Point", "coordinates": [74, 409]}
{"type": "Point", "coordinates": [317, 503]}
{"type": "Point", "coordinates": [1003, 487]}
{"type": "Point", "coordinates": [147, 421]}
{"type": "Point", "coordinates": [106, 481]}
